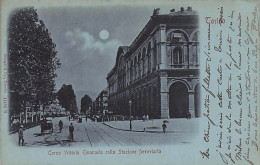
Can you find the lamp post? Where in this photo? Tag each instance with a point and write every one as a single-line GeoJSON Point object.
{"type": "Point", "coordinates": [130, 103]}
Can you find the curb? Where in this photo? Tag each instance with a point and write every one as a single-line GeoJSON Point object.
{"type": "Point", "coordinates": [122, 129]}
{"type": "Point", "coordinates": [136, 130]}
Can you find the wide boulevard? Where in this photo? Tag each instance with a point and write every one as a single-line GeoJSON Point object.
{"type": "Point", "coordinates": [96, 134]}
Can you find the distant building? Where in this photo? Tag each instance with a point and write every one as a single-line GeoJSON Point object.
{"type": "Point", "coordinates": [159, 71]}
{"type": "Point", "coordinates": [101, 104]}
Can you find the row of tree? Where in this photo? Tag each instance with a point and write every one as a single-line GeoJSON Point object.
{"type": "Point", "coordinates": [67, 99]}
{"type": "Point", "coordinates": [32, 61]}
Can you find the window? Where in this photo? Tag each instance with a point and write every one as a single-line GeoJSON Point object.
{"type": "Point", "coordinates": [177, 58]}
{"type": "Point", "coordinates": [131, 70]}
{"type": "Point", "coordinates": [154, 54]}
{"type": "Point", "coordinates": [149, 48]}
{"type": "Point", "coordinates": [144, 53]}
{"type": "Point", "coordinates": [144, 61]}
{"type": "Point", "coordinates": [135, 67]}
{"type": "Point", "coordinates": [195, 48]}
{"type": "Point", "coordinates": [149, 57]}
{"type": "Point", "coordinates": [139, 64]}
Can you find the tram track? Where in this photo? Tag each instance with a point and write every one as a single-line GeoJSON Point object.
{"type": "Point", "coordinates": [117, 132]}
{"type": "Point", "coordinates": [99, 135]}
{"type": "Point", "coordinates": [87, 135]}
{"type": "Point", "coordinates": [109, 135]}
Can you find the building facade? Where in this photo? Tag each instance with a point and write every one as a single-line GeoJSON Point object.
{"type": "Point", "coordinates": [159, 71]}
{"type": "Point", "coordinates": [101, 103]}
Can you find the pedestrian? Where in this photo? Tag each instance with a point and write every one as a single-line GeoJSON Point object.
{"type": "Point", "coordinates": [80, 119]}
{"type": "Point", "coordinates": [86, 118]}
{"type": "Point", "coordinates": [71, 129]}
{"type": "Point", "coordinates": [164, 126]}
{"type": "Point", "coordinates": [188, 115]}
{"type": "Point", "coordinates": [143, 117]}
{"type": "Point", "coordinates": [147, 117]}
{"type": "Point", "coordinates": [69, 117]}
{"type": "Point", "coordinates": [20, 135]}
{"type": "Point", "coordinates": [60, 125]}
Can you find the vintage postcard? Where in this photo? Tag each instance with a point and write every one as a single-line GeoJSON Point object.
{"type": "Point", "coordinates": [129, 82]}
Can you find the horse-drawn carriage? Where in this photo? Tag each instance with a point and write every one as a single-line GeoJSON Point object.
{"type": "Point", "coordinates": [46, 124]}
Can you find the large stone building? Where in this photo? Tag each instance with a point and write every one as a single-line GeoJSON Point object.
{"type": "Point", "coordinates": [159, 71]}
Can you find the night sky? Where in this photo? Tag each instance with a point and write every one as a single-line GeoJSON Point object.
{"type": "Point", "coordinates": [86, 55]}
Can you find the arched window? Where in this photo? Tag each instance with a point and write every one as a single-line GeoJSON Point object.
{"type": "Point", "coordinates": [149, 57]}
{"type": "Point", "coordinates": [177, 57]}
{"type": "Point", "coordinates": [135, 67]}
{"type": "Point", "coordinates": [132, 70]}
{"type": "Point", "coordinates": [154, 54]}
{"type": "Point", "coordinates": [120, 73]}
{"type": "Point", "coordinates": [139, 64]}
{"type": "Point", "coordinates": [195, 49]}
{"type": "Point", "coordinates": [139, 57]}
{"type": "Point", "coordinates": [144, 53]}
{"type": "Point", "coordinates": [144, 63]}
{"type": "Point", "coordinates": [149, 48]}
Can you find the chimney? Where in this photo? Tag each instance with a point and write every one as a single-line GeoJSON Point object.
{"type": "Point", "coordinates": [189, 8]}
{"type": "Point", "coordinates": [182, 9]}
{"type": "Point", "coordinates": [172, 10]}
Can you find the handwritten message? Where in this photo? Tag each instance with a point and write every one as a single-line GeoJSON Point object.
{"type": "Point", "coordinates": [229, 93]}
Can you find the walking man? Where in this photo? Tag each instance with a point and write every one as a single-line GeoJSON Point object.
{"type": "Point", "coordinates": [188, 115]}
{"type": "Point", "coordinates": [20, 135]}
{"type": "Point", "coordinates": [60, 125]}
{"type": "Point", "coordinates": [164, 126]}
{"type": "Point", "coordinates": [71, 129]}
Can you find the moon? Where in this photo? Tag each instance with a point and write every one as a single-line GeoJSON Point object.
{"type": "Point", "coordinates": [104, 34]}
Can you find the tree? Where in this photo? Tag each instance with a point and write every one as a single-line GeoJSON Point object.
{"type": "Point", "coordinates": [86, 102]}
{"type": "Point", "coordinates": [67, 98]}
{"type": "Point", "coordinates": [32, 60]}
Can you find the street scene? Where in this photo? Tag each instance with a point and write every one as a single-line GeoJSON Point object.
{"type": "Point", "coordinates": [109, 134]}
{"type": "Point", "coordinates": [75, 81]}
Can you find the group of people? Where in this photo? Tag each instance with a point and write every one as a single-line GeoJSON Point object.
{"type": "Point", "coordinates": [145, 117]}
{"type": "Point", "coordinates": [71, 130]}
{"type": "Point", "coordinates": [21, 130]}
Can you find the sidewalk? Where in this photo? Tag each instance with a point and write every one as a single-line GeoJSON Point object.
{"type": "Point", "coordinates": [176, 125]}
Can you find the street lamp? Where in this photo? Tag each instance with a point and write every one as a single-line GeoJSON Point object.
{"type": "Point", "coordinates": [130, 103]}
